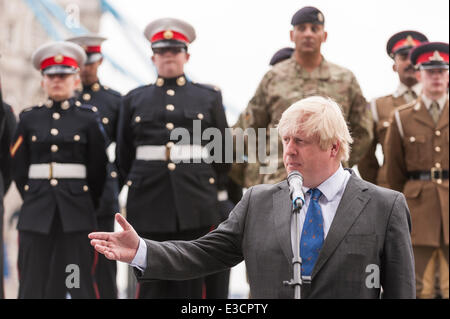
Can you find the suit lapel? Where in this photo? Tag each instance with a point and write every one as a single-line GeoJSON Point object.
{"type": "Point", "coordinates": [282, 219]}
{"type": "Point", "coordinates": [352, 204]}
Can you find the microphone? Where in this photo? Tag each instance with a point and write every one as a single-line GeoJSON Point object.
{"type": "Point", "coordinates": [295, 181]}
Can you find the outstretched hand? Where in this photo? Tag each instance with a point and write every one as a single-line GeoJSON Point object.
{"type": "Point", "coordinates": [121, 245]}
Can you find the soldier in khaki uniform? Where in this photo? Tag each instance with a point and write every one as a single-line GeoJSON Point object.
{"type": "Point", "coordinates": [417, 160]}
{"type": "Point", "coordinates": [304, 74]}
{"type": "Point", "coordinates": [398, 48]}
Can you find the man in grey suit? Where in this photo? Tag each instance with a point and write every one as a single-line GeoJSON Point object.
{"type": "Point", "coordinates": [355, 236]}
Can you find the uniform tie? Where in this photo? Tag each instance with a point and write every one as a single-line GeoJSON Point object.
{"type": "Point", "coordinates": [312, 235]}
{"type": "Point", "coordinates": [435, 111]}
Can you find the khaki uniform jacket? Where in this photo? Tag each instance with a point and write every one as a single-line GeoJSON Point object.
{"type": "Point", "coordinates": [415, 143]}
{"type": "Point", "coordinates": [381, 109]}
{"type": "Point", "coordinates": [287, 82]}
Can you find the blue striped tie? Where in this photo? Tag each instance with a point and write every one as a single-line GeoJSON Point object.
{"type": "Point", "coordinates": [312, 235]}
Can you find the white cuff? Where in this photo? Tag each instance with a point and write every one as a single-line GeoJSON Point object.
{"type": "Point", "coordinates": [140, 260]}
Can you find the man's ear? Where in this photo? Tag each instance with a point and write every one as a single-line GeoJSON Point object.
{"type": "Point", "coordinates": [335, 147]}
{"type": "Point", "coordinates": [291, 35]}
{"type": "Point", "coordinates": [394, 67]}
{"type": "Point", "coordinates": [325, 36]}
{"type": "Point", "coordinates": [418, 75]}
{"type": "Point", "coordinates": [153, 59]}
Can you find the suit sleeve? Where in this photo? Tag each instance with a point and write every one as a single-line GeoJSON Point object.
{"type": "Point", "coordinates": [216, 251]}
{"type": "Point", "coordinates": [368, 165]}
{"type": "Point", "coordinates": [20, 156]}
{"type": "Point", "coordinates": [125, 150]}
{"type": "Point", "coordinates": [360, 123]}
{"type": "Point", "coordinates": [395, 157]}
{"type": "Point", "coordinates": [97, 158]}
{"type": "Point", "coordinates": [397, 269]}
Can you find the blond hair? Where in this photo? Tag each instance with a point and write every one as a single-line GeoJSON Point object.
{"type": "Point", "coordinates": [320, 117]}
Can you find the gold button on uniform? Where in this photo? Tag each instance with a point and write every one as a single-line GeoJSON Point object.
{"type": "Point", "coordinates": [65, 105]}
{"type": "Point", "coordinates": [34, 138]}
{"type": "Point", "coordinates": [386, 124]}
{"type": "Point", "coordinates": [159, 82]}
{"type": "Point", "coordinates": [26, 188]}
{"type": "Point", "coordinates": [113, 174]}
{"type": "Point", "coordinates": [170, 126]}
{"type": "Point", "coordinates": [76, 138]}
{"type": "Point", "coordinates": [171, 92]}
{"type": "Point", "coordinates": [170, 107]}
{"type": "Point", "coordinates": [181, 81]}
{"type": "Point", "coordinates": [86, 97]}
{"type": "Point", "coordinates": [94, 108]}
{"type": "Point", "coordinates": [49, 103]}
{"type": "Point", "coordinates": [412, 139]}
{"type": "Point", "coordinates": [437, 149]}
{"type": "Point", "coordinates": [212, 180]}
{"type": "Point", "coordinates": [56, 116]}
{"type": "Point", "coordinates": [439, 181]}
{"type": "Point", "coordinates": [437, 165]}
{"type": "Point", "coordinates": [137, 119]}
{"type": "Point", "coordinates": [85, 188]}
{"type": "Point", "coordinates": [54, 131]}
{"type": "Point", "coordinates": [54, 148]}
{"type": "Point", "coordinates": [78, 103]}
{"type": "Point", "coordinates": [171, 166]}
{"type": "Point", "coordinates": [105, 120]}
{"type": "Point", "coordinates": [53, 182]}
{"type": "Point", "coordinates": [200, 116]}
{"type": "Point", "coordinates": [438, 133]}
{"type": "Point", "coordinates": [96, 87]}
{"type": "Point", "coordinates": [129, 183]}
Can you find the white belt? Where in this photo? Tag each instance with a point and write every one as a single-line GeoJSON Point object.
{"type": "Point", "coordinates": [56, 170]}
{"type": "Point", "coordinates": [174, 153]}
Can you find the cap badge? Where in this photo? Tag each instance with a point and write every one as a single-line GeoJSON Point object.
{"type": "Point", "coordinates": [168, 35]}
{"type": "Point", "coordinates": [409, 40]}
{"type": "Point", "coordinates": [436, 57]}
{"type": "Point", "coordinates": [320, 17]}
{"type": "Point", "coordinates": [58, 58]}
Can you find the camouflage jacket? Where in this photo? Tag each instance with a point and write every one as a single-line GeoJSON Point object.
{"type": "Point", "coordinates": [286, 83]}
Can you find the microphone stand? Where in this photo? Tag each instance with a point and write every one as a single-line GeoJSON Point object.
{"type": "Point", "coordinates": [296, 282]}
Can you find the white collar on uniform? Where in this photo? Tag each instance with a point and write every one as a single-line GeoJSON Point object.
{"type": "Point", "coordinates": [402, 89]}
{"type": "Point", "coordinates": [427, 101]}
{"type": "Point", "coordinates": [334, 185]}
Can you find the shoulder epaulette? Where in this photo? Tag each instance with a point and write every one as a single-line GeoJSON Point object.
{"type": "Point", "coordinates": [207, 86]}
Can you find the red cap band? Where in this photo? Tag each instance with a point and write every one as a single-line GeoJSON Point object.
{"type": "Point", "coordinates": [404, 43]}
{"type": "Point", "coordinates": [94, 49]}
{"type": "Point", "coordinates": [169, 35]}
{"type": "Point", "coordinates": [59, 60]}
{"type": "Point", "coordinates": [425, 57]}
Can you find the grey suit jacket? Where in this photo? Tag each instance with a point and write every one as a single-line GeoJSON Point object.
{"type": "Point", "coordinates": [367, 246]}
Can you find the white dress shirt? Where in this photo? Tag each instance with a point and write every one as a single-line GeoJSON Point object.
{"type": "Point", "coordinates": [332, 190]}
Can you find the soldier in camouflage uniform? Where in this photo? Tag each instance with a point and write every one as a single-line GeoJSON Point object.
{"type": "Point", "coordinates": [398, 48]}
{"type": "Point", "coordinates": [247, 174]}
{"type": "Point", "coordinates": [307, 73]}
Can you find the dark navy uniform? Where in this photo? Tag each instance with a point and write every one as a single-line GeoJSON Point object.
{"type": "Point", "coordinates": [7, 128]}
{"type": "Point", "coordinates": [167, 200]}
{"type": "Point", "coordinates": [108, 103]}
{"type": "Point", "coordinates": [59, 208]}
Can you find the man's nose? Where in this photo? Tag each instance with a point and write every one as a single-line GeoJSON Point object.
{"type": "Point", "coordinates": [290, 148]}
